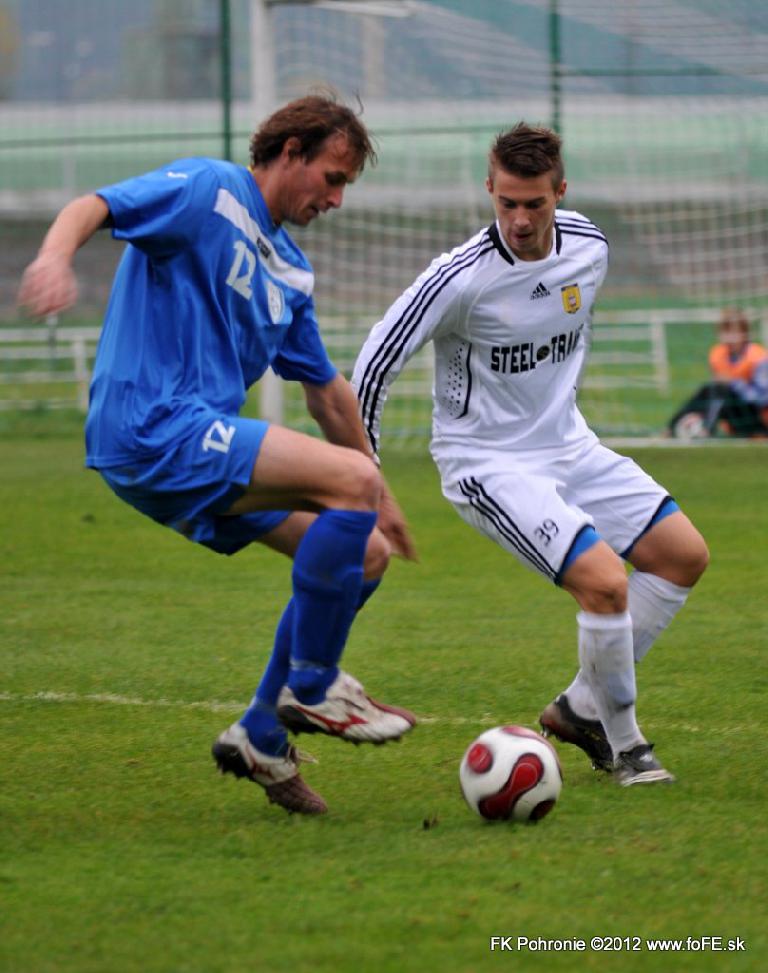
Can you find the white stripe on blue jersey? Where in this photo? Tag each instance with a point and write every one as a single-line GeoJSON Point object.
{"type": "Point", "coordinates": [227, 206]}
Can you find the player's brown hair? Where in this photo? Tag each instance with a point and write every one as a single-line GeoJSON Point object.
{"type": "Point", "coordinates": [311, 120]}
{"type": "Point", "coordinates": [528, 151]}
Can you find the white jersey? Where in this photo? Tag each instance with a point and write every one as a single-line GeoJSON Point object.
{"type": "Point", "coordinates": [510, 339]}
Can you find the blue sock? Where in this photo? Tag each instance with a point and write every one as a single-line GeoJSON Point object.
{"type": "Point", "coordinates": [260, 719]}
{"type": "Point", "coordinates": [327, 588]}
{"type": "Point", "coordinates": [276, 674]}
{"type": "Point", "coordinates": [367, 589]}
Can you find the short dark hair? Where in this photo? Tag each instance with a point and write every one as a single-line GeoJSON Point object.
{"type": "Point", "coordinates": [311, 120]}
{"type": "Point", "coordinates": [528, 151]}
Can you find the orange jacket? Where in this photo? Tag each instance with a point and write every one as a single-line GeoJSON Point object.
{"type": "Point", "coordinates": [727, 368]}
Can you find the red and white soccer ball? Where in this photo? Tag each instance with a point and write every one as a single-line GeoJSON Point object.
{"type": "Point", "coordinates": [510, 772]}
{"type": "Point", "coordinates": [691, 426]}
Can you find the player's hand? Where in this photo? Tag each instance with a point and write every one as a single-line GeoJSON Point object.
{"type": "Point", "coordinates": [47, 286]}
{"type": "Point", "coordinates": [393, 526]}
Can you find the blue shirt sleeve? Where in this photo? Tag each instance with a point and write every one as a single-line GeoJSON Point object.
{"type": "Point", "coordinates": [161, 212]}
{"type": "Point", "coordinates": [302, 357]}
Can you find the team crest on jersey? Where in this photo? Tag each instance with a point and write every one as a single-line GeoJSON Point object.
{"type": "Point", "coordinates": [571, 298]}
{"type": "Point", "coordinates": [275, 302]}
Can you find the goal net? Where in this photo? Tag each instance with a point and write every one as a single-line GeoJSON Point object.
{"type": "Point", "coordinates": [664, 112]}
{"type": "Point", "coordinates": [663, 105]}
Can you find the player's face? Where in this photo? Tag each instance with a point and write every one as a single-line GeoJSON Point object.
{"type": "Point", "coordinates": [525, 209]}
{"type": "Point", "coordinates": [734, 336]}
{"type": "Point", "coordinates": [312, 188]}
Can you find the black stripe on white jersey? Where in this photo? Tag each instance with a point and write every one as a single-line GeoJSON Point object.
{"type": "Point", "coordinates": [403, 320]}
{"type": "Point", "coordinates": [490, 509]}
{"type": "Point", "coordinates": [583, 228]}
{"type": "Point", "coordinates": [493, 233]}
{"type": "Point", "coordinates": [590, 236]}
{"type": "Point", "coordinates": [391, 348]}
{"type": "Point", "coordinates": [465, 410]}
{"type": "Point", "coordinates": [580, 221]}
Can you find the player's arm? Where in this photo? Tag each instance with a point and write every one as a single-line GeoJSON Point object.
{"type": "Point", "coordinates": [432, 304]}
{"type": "Point", "coordinates": [334, 407]}
{"type": "Point", "coordinates": [48, 284]}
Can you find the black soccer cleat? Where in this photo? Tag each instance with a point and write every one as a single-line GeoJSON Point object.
{"type": "Point", "coordinates": [559, 720]}
{"type": "Point", "coordinates": [640, 766]}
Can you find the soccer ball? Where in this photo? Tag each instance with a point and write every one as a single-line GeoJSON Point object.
{"type": "Point", "coordinates": [691, 426]}
{"type": "Point", "coordinates": [510, 772]}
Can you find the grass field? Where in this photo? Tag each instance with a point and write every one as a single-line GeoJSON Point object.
{"type": "Point", "coordinates": [124, 650]}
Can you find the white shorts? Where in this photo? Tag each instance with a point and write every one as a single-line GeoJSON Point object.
{"type": "Point", "coordinates": [536, 506]}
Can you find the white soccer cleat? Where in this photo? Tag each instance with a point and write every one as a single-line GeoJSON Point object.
{"type": "Point", "coordinates": [346, 712]}
{"type": "Point", "coordinates": [279, 776]}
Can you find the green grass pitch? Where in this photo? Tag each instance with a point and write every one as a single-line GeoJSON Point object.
{"type": "Point", "coordinates": [124, 651]}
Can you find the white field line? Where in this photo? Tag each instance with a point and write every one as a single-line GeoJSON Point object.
{"type": "Point", "coordinates": [113, 699]}
{"type": "Point", "coordinates": [209, 705]}
{"type": "Point", "coordinates": [220, 706]}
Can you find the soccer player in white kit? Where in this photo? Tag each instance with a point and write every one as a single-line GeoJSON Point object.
{"type": "Point", "coordinates": [509, 315]}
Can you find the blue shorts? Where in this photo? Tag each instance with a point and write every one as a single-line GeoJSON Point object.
{"type": "Point", "coordinates": [192, 484]}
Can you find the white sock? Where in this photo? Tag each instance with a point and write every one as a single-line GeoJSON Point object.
{"type": "Point", "coordinates": [652, 603]}
{"type": "Point", "coordinates": [607, 663]}
{"type": "Point", "coordinates": [580, 697]}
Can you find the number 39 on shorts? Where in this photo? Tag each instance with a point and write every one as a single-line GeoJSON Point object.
{"type": "Point", "coordinates": [546, 531]}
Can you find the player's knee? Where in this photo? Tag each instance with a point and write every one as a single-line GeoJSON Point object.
{"type": "Point", "coordinates": [377, 555]}
{"type": "Point", "coordinates": [607, 595]}
{"type": "Point", "coordinates": [368, 481]}
{"type": "Point", "coordinates": [695, 560]}
{"type": "Point", "coordinates": [597, 579]}
{"type": "Point", "coordinates": [684, 562]}
{"type": "Point", "coordinates": [359, 482]}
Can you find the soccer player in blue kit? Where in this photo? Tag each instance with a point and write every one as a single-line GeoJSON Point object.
{"type": "Point", "coordinates": [210, 292]}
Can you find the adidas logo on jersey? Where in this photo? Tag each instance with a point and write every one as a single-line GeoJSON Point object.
{"type": "Point", "coordinates": [539, 291]}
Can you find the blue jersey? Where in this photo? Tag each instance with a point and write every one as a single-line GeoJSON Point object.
{"type": "Point", "coordinates": [207, 296]}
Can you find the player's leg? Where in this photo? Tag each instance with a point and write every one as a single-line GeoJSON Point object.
{"type": "Point", "coordinates": [329, 585]}
{"type": "Point", "coordinates": [598, 582]}
{"type": "Point", "coordinates": [669, 558]}
{"type": "Point", "coordinates": [285, 539]}
{"type": "Point", "coordinates": [270, 468]}
{"type": "Point", "coordinates": [525, 513]}
{"type": "Point", "coordinates": [638, 519]}
{"type": "Point", "coordinates": [668, 561]}
{"type": "Point", "coordinates": [296, 471]}
{"type": "Point", "coordinates": [259, 718]}
{"type": "Point", "coordinates": [641, 522]}
{"type": "Point", "coordinates": [226, 468]}
{"type": "Point", "coordinates": [534, 513]}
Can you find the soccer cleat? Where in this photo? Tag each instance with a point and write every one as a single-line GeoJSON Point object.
{"type": "Point", "coordinates": [559, 720]}
{"type": "Point", "coordinates": [346, 712]}
{"type": "Point", "coordinates": [279, 776]}
{"type": "Point", "coordinates": [640, 766]}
